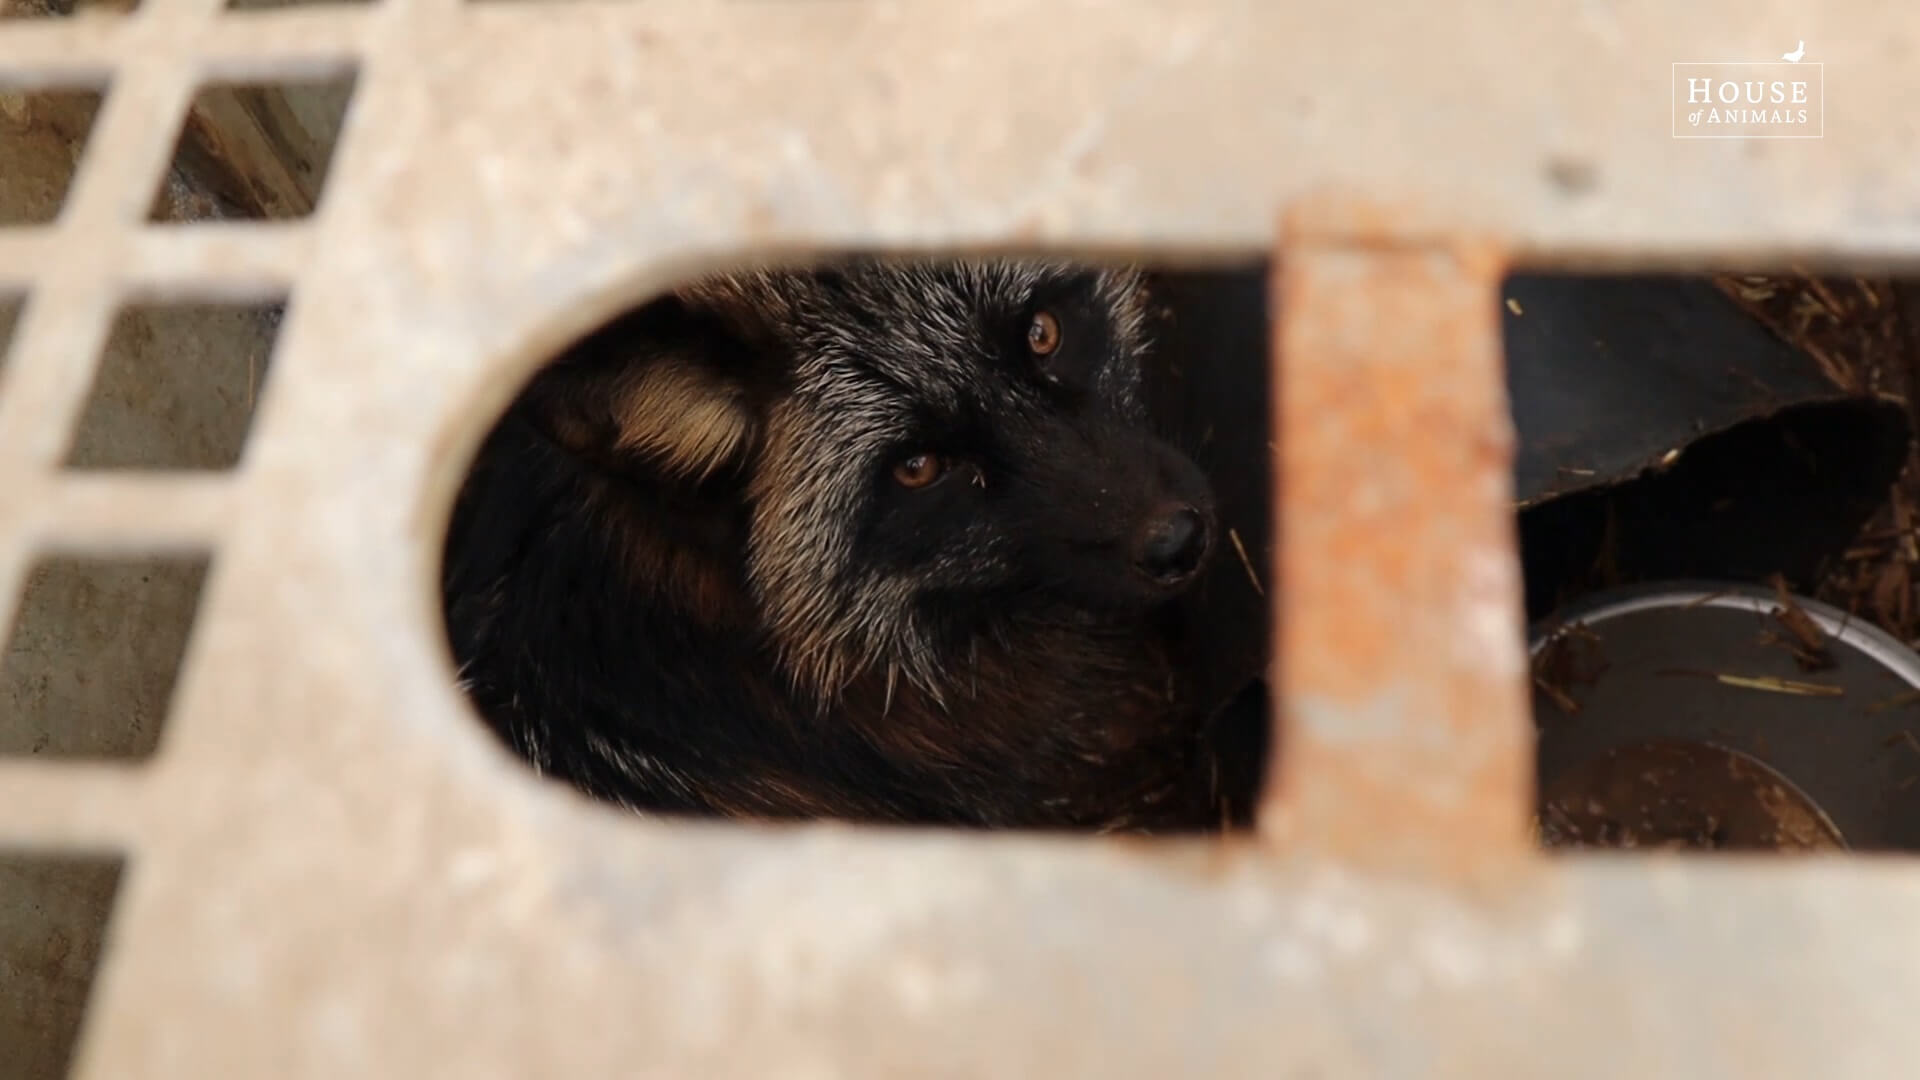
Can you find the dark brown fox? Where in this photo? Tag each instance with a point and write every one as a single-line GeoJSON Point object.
{"type": "Point", "coordinates": [881, 541]}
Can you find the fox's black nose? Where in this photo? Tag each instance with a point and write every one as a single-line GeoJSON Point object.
{"type": "Point", "coordinates": [1172, 546]}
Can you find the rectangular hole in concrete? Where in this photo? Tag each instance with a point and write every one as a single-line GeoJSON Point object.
{"type": "Point", "coordinates": [1733, 434]}
{"type": "Point", "coordinates": [55, 912]}
{"type": "Point", "coordinates": [176, 387]}
{"type": "Point", "coordinates": [42, 136]}
{"type": "Point", "coordinates": [253, 152]}
{"type": "Point", "coordinates": [94, 653]}
{"type": "Point", "coordinates": [1205, 384]}
{"type": "Point", "coordinates": [1716, 449]}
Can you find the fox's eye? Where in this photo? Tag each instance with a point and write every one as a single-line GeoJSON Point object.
{"type": "Point", "coordinates": [918, 471]}
{"type": "Point", "coordinates": [1043, 333]}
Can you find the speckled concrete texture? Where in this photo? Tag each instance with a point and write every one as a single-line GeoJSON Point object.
{"type": "Point", "coordinates": [334, 872]}
{"type": "Point", "coordinates": [89, 663]}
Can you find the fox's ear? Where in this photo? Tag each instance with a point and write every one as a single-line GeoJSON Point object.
{"type": "Point", "coordinates": [688, 418]}
{"type": "Point", "coordinates": [657, 384]}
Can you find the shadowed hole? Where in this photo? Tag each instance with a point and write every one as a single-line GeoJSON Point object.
{"type": "Point", "coordinates": [554, 579]}
{"type": "Point", "coordinates": [94, 653]}
{"type": "Point", "coordinates": [1706, 461]}
{"type": "Point", "coordinates": [176, 387]}
{"type": "Point", "coordinates": [55, 911]}
{"type": "Point", "coordinates": [42, 136]}
{"type": "Point", "coordinates": [1666, 428]}
{"type": "Point", "coordinates": [254, 151]}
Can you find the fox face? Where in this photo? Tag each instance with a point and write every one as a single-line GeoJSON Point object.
{"type": "Point", "coordinates": [922, 453]}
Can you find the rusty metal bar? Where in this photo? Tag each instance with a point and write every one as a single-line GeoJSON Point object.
{"type": "Point", "coordinates": [1404, 709]}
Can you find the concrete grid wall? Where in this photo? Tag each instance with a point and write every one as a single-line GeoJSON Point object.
{"type": "Point", "coordinates": [89, 664]}
{"type": "Point", "coordinates": [329, 870]}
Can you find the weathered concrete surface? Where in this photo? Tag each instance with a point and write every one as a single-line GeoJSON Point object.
{"type": "Point", "coordinates": [337, 873]}
{"type": "Point", "coordinates": [88, 665]}
{"type": "Point", "coordinates": [89, 662]}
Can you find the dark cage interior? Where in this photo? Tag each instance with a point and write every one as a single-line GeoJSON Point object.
{"type": "Point", "coordinates": [1668, 428]}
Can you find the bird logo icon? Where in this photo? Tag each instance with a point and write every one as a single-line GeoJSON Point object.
{"type": "Point", "coordinates": [1793, 57]}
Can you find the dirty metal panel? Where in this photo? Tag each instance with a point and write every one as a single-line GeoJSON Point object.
{"type": "Point", "coordinates": [1610, 374]}
{"type": "Point", "coordinates": [332, 871]}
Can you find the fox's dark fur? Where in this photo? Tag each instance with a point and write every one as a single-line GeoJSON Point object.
{"type": "Point", "coordinates": [684, 576]}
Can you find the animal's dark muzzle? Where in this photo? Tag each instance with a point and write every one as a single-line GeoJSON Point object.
{"type": "Point", "coordinates": [1170, 549]}
{"type": "Point", "coordinates": [1120, 520]}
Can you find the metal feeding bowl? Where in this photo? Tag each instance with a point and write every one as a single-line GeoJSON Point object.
{"type": "Point", "coordinates": [1724, 716]}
